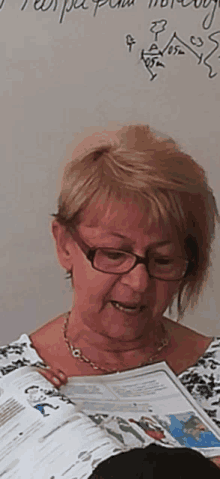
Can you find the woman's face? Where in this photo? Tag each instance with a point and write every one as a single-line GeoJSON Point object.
{"type": "Point", "coordinates": [94, 290]}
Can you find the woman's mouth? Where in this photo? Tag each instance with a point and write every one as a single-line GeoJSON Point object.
{"type": "Point", "coordinates": [127, 309]}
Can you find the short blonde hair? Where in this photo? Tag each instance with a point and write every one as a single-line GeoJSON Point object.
{"type": "Point", "coordinates": [133, 161]}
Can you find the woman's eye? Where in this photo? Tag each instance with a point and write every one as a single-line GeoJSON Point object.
{"type": "Point", "coordinates": [113, 254]}
{"type": "Point", "coordinates": [164, 261]}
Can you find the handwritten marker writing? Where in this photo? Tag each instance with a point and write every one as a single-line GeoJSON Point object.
{"type": "Point", "coordinates": [111, 4]}
{"type": "Point", "coordinates": [130, 41]}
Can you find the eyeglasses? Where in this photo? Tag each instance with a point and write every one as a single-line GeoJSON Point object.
{"type": "Point", "coordinates": [116, 261]}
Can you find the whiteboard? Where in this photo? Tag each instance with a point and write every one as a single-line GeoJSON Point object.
{"type": "Point", "coordinates": [69, 67]}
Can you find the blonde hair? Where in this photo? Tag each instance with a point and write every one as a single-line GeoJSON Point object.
{"type": "Point", "coordinates": [133, 161]}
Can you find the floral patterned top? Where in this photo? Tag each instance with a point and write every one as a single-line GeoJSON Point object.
{"type": "Point", "coordinates": [201, 380]}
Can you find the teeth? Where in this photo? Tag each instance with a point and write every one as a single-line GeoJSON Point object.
{"type": "Point", "coordinates": [122, 308]}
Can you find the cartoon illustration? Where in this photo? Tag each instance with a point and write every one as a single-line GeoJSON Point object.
{"type": "Point", "coordinates": [37, 397]}
{"type": "Point", "coordinates": [153, 429]}
{"type": "Point", "coordinates": [116, 426]}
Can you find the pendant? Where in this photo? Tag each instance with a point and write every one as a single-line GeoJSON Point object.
{"type": "Point", "coordinates": [76, 353]}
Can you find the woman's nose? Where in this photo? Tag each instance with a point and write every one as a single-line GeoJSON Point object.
{"type": "Point", "coordinates": [138, 278]}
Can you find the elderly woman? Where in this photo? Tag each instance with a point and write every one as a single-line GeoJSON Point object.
{"type": "Point", "coordinates": [134, 228]}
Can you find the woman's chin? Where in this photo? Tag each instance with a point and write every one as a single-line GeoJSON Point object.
{"type": "Point", "coordinates": [123, 328]}
{"type": "Point", "coordinates": [113, 325]}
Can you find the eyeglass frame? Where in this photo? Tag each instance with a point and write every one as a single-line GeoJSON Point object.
{"type": "Point", "coordinates": [90, 255]}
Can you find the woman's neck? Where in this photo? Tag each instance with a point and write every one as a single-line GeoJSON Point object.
{"type": "Point", "coordinates": [114, 352]}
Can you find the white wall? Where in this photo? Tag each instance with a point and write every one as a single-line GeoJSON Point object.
{"type": "Point", "coordinates": [58, 78]}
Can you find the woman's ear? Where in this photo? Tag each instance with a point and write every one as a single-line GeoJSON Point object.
{"type": "Point", "coordinates": [64, 245]}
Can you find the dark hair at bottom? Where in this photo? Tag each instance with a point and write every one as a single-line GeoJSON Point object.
{"type": "Point", "coordinates": [156, 462]}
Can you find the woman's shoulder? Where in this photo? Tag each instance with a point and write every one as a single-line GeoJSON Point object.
{"type": "Point", "coordinates": [17, 354]}
{"type": "Point", "coordinates": [48, 328]}
{"type": "Point", "coordinates": [186, 346]}
{"type": "Point", "coordinates": [207, 364]}
{"type": "Point", "coordinates": [47, 337]}
{"type": "Point", "coordinates": [49, 343]}
{"type": "Point", "coordinates": [29, 350]}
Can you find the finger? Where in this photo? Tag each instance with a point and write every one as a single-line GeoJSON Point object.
{"type": "Point", "coordinates": [47, 374]}
{"type": "Point", "coordinates": [62, 376]}
{"type": "Point", "coordinates": [57, 378]}
{"type": "Point", "coordinates": [58, 374]}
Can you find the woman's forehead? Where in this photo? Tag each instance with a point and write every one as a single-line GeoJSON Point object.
{"type": "Point", "coordinates": [115, 213]}
{"type": "Point", "coordinates": [125, 217]}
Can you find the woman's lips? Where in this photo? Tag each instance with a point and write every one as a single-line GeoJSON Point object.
{"type": "Point", "coordinates": [128, 308]}
{"type": "Point", "coordinates": [126, 305]}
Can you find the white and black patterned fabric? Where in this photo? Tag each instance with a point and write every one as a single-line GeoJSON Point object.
{"type": "Point", "coordinates": [201, 380]}
{"type": "Point", "coordinates": [18, 354]}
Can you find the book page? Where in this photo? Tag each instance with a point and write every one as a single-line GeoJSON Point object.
{"type": "Point", "coordinates": [43, 433]}
{"type": "Point", "coordinates": [151, 400]}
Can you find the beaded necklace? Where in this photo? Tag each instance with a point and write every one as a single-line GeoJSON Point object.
{"type": "Point", "coordinates": [77, 353]}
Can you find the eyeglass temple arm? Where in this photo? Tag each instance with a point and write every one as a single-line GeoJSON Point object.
{"type": "Point", "coordinates": [83, 246]}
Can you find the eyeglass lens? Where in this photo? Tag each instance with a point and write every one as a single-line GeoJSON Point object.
{"type": "Point", "coordinates": [115, 261]}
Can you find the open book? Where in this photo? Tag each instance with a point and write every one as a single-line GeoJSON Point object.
{"type": "Point", "coordinates": [65, 434]}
